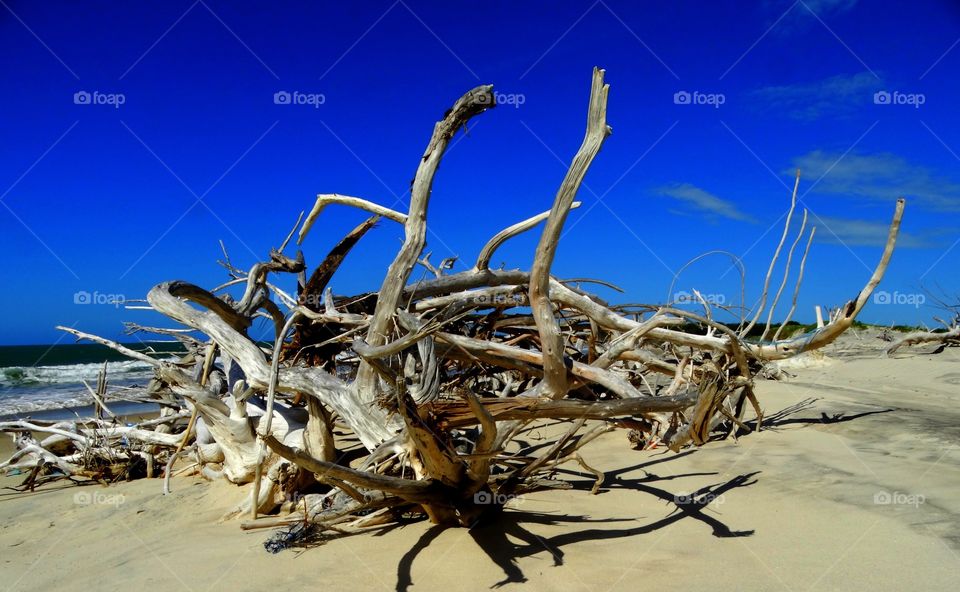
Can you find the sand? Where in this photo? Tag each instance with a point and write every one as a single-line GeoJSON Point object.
{"type": "Point", "coordinates": [798, 506]}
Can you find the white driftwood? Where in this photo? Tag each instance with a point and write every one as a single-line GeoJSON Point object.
{"type": "Point", "coordinates": [472, 103]}
{"type": "Point", "coordinates": [551, 339]}
{"type": "Point", "coordinates": [486, 253]}
{"type": "Point", "coordinates": [332, 198]}
{"type": "Point", "coordinates": [951, 335]}
{"type": "Point", "coordinates": [438, 379]}
{"type": "Point", "coordinates": [773, 260]}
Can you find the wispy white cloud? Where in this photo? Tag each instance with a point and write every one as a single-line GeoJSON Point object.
{"type": "Point", "coordinates": [826, 7]}
{"type": "Point", "coordinates": [705, 202]}
{"type": "Point", "coordinates": [866, 233]}
{"type": "Point", "coordinates": [842, 94]}
{"type": "Point", "coordinates": [879, 177]}
{"type": "Point", "coordinates": [799, 15]}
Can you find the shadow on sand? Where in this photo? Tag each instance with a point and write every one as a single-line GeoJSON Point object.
{"type": "Point", "coordinates": [786, 416]}
{"type": "Point", "coordinates": [496, 534]}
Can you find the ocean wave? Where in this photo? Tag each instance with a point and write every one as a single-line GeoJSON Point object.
{"type": "Point", "coordinates": [26, 388]}
{"type": "Point", "coordinates": [27, 376]}
{"type": "Point", "coordinates": [22, 403]}
{"type": "Point", "coordinates": [18, 405]}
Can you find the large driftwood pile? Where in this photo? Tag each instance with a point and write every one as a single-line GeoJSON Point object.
{"type": "Point", "coordinates": [429, 382]}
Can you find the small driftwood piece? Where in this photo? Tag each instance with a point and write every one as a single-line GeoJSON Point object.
{"type": "Point", "coordinates": [949, 336]}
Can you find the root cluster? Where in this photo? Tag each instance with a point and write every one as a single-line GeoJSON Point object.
{"type": "Point", "coordinates": [413, 400]}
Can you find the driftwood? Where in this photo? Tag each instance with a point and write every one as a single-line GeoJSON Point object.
{"type": "Point", "coordinates": [436, 380]}
{"type": "Point", "coordinates": [949, 336]}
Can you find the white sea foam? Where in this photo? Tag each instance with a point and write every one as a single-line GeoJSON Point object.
{"type": "Point", "coordinates": [35, 388]}
{"type": "Point", "coordinates": [10, 405]}
{"type": "Point", "coordinates": [71, 373]}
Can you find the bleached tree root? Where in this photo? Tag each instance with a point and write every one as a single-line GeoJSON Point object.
{"type": "Point", "coordinates": [430, 382]}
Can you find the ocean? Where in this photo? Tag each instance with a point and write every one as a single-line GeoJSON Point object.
{"type": "Point", "coordinates": [47, 380]}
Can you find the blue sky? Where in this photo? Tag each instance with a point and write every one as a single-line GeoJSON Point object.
{"type": "Point", "coordinates": [110, 199]}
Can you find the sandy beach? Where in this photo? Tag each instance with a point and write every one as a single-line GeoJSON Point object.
{"type": "Point", "coordinates": [851, 486]}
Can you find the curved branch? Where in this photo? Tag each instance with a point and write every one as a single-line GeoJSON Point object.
{"type": "Point", "coordinates": [773, 260]}
{"type": "Point", "coordinates": [486, 253]}
{"type": "Point", "coordinates": [369, 422]}
{"type": "Point", "coordinates": [323, 200]}
{"type": "Point", "coordinates": [786, 274]}
{"type": "Point", "coordinates": [551, 339]}
{"type": "Point", "coordinates": [473, 103]}
{"type": "Point", "coordinates": [310, 296]}
{"type": "Point", "coordinates": [796, 289]}
{"type": "Point", "coordinates": [112, 345]}
{"type": "Point", "coordinates": [849, 312]}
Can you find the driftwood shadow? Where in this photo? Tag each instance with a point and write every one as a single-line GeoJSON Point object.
{"type": "Point", "coordinates": [497, 533]}
{"type": "Point", "coordinates": [788, 415]}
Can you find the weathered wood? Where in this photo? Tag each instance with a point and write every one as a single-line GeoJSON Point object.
{"type": "Point", "coordinates": [551, 339]}
{"type": "Point", "coordinates": [454, 414]}
{"type": "Point", "coordinates": [796, 289]}
{"type": "Point", "coordinates": [951, 335]}
{"type": "Point", "coordinates": [332, 198]}
{"type": "Point", "coordinates": [310, 297]}
{"type": "Point", "coordinates": [786, 275]}
{"type": "Point", "coordinates": [486, 253]}
{"type": "Point", "coordinates": [389, 296]}
{"type": "Point", "coordinates": [773, 260]}
{"type": "Point", "coordinates": [407, 489]}
{"type": "Point", "coordinates": [435, 378]}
